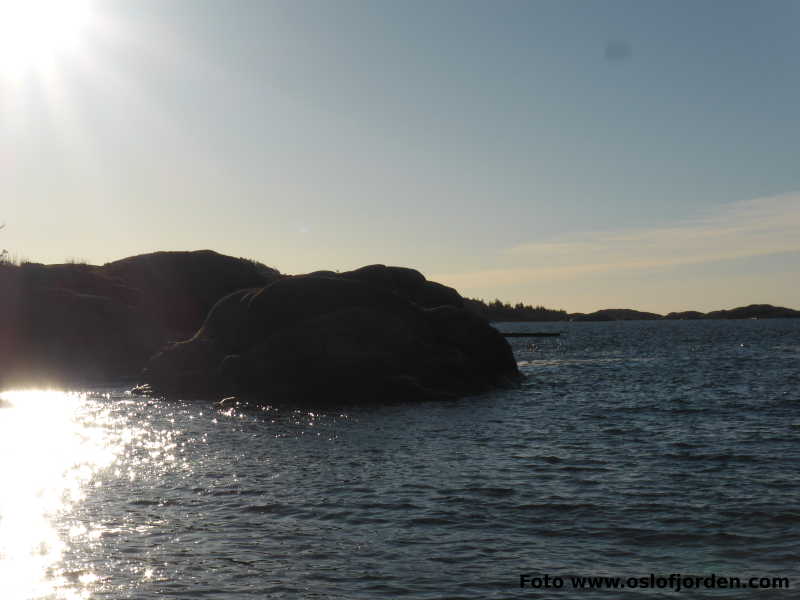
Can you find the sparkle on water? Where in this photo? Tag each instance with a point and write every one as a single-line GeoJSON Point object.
{"type": "Point", "coordinates": [52, 444]}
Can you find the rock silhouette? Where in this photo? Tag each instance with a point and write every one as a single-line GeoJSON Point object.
{"type": "Point", "coordinates": [354, 337]}
{"type": "Point", "coordinates": [202, 322]}
{"type": "Point", "coordinates": [374, 333]}
{"type": "Point", "coordinates": [68, 322]}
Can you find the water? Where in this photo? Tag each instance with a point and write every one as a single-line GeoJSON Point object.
{"type": "Point", "coordinates": [632, 448]}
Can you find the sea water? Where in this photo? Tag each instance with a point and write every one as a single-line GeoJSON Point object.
{"type": "Point", "coordinates": [638, 450]}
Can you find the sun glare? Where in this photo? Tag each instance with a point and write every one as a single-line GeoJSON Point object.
{"type": "Point", "coordinates": [52, 444]}
{"type": "Point", "coordinates": [35, 34]}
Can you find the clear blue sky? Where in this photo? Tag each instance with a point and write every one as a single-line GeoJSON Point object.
{"type": "Point", "coordinates": [576, 154]}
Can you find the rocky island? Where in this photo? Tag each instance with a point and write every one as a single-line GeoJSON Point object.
{"type": "Point", "coordinates": [752, 311]}
{"type": "Point", "coordinates": [615, 314]}
{"type": "Point", "coordinates": [201, 323]}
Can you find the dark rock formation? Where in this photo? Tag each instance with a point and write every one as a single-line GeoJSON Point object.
{"type": "Point", "coordinates": [374, 333]}
{"type": "Point", "coordinates": [11, 301]}
{"type": "Point", "coordinates": [177, 289]}
{"type": "Point", "coordinates": [407, 283]}
{"type": "Point", "coordinates": [356, 337]}
{"type": "Point", "coordinates": [68, 322]}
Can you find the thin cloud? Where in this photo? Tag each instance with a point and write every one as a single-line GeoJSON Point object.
{"type": "Point", "coordinates": [752, 228]}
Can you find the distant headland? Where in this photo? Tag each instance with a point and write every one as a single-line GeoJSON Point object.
{"type": "Point", "coordinates": [500, 311]}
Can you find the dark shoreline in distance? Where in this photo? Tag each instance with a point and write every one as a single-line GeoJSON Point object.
{"type": "Point", "coordinates": [499, 311]}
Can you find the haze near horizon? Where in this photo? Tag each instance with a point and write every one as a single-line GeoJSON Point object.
{"type": "Point", "coordinates": [569, 154]}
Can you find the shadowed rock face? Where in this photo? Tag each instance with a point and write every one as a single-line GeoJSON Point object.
{"type": "Point", "coordinates": [69, 322]}
{"type": "Point", "coordinates": [177, 289]}
{"type": "Point", "coordinates": [407, 283]}
{"type": "Point", "coordinates": [323, 338]}
{"type": "Point", "coordinates": [375, 333]}
{"type": "Point", "coordinates": [10, 305]}
{"type": "Point", "coordinates": [65, 322]}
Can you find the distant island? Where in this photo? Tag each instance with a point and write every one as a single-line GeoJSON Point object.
{"type": "Point", "coordinates": [500, 311]}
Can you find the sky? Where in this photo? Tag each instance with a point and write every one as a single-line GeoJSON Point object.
{"type": "Point", "coordinates": [578, 155]}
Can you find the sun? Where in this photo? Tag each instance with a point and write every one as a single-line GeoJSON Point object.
{"type": "Point", "coordinates": [36, 34]}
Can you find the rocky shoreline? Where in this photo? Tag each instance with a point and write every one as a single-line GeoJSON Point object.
{"type": "Point", "coordinates": [201, 323]}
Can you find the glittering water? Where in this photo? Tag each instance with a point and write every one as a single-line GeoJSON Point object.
{"type": "Point", "coordinates": [632, 448]}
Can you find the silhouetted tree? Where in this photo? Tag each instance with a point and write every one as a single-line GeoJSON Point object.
{"type": "Point", "coordinates": [498, 310]}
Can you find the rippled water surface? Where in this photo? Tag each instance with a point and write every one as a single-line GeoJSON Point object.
{"type": "Point", "coordinates": [632, 448]}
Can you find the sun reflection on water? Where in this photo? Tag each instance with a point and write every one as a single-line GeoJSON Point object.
{"type": "Point", "coordinates": [52, 444]}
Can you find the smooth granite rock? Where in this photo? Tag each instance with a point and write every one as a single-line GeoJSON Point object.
{"type": "Point", "coordinates": [323, 339]}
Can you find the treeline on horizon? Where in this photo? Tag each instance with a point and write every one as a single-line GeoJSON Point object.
{"type": "Point", "coordinates": [498, 310]}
